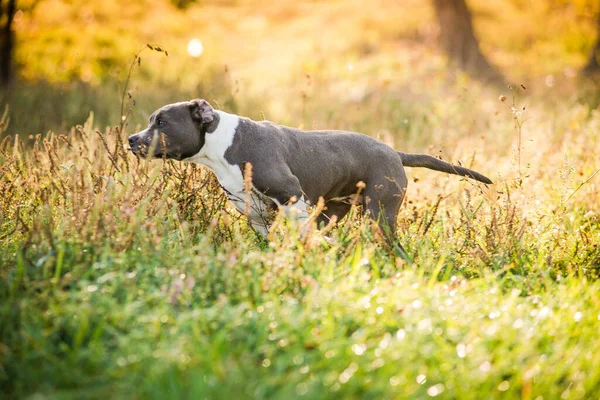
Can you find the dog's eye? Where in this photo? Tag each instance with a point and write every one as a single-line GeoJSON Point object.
{"type": "Point", "coordinates": [160, 122]}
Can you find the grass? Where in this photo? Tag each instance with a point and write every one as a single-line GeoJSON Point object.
{"type": "Point", "coordinates": [127, 278]}
{"type": "Point", "coordinates": [123, 277]}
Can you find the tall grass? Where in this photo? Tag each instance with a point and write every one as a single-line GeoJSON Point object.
{"type": "Point", "coordinates": [125, 277]}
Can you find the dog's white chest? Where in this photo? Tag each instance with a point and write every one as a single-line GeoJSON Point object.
{"type": "Point", "coordinates": [229, 176]}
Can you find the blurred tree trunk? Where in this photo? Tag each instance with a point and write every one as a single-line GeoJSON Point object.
{"type": "Point", "coordinates": [593, 66]}
{"type": "Point", "coordinates": [6, 42]}
{"type": "Point", "coordinates": [459, 42]}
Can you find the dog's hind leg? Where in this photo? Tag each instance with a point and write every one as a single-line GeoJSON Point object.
{"type": "Point", "coordinates": [335, 209]}
{"type": "Point", "coordinates": [383, 213]}
{"type": "Point", "coordinates": [382, 199]}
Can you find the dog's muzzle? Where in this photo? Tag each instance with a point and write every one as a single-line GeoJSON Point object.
{"type": "Point", "coordinates": [134, 143]}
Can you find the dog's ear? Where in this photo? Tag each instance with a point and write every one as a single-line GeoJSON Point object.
{"type": "Point", "coordinates": [202, 112]}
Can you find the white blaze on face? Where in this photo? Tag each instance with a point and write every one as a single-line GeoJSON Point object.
{"type": "Point", "coordinates": [195, 48]}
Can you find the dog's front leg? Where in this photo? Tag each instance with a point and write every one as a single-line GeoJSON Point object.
{"type": "Point", "coordinates": [260, 227]}
{"type": "Point", "coordinates": [296, 209]}
{"type": "Point", "coordinates": [276, 181]}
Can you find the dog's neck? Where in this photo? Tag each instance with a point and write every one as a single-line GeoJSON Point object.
{"type": "Point", "coordinates": [217, 141]}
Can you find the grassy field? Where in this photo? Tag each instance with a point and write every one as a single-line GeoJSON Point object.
{"type": "Point", "coordinates": [130, 278]}
{"type": "Point", "coordinates": [126, 277]}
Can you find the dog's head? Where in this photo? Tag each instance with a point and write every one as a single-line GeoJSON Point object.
{"type": "Point", "coordinates": [176, 130]}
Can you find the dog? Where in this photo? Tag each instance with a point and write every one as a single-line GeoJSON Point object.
{"type": "Point", "coordinates": [291, 168]}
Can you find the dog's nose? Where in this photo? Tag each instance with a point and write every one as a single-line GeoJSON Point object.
{"type": "Point", "coordinates": [132, 140]}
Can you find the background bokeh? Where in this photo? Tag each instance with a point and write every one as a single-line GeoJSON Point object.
{"type": "Point", "coordinates": [281, 58]}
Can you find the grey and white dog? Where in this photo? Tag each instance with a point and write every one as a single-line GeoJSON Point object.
{"type": "Point", "coordinates": [291, 168]}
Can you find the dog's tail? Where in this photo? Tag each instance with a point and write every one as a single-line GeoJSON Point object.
{"type": "Point", "coordinates": [427, 161]}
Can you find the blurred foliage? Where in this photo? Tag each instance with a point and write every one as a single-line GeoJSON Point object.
{"type": "Point", "coordinates": [182, 4]}
{"type": "Point", "coordinates": [89, 40]}
{"type": "Point", "coordinates": [77, 53]}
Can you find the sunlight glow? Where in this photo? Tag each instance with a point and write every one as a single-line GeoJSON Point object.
{"type": "Point", "coordinates": [195, 48]}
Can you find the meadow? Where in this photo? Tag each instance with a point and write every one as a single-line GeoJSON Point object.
{"type": "Point", "coordinates": [135, 278]}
